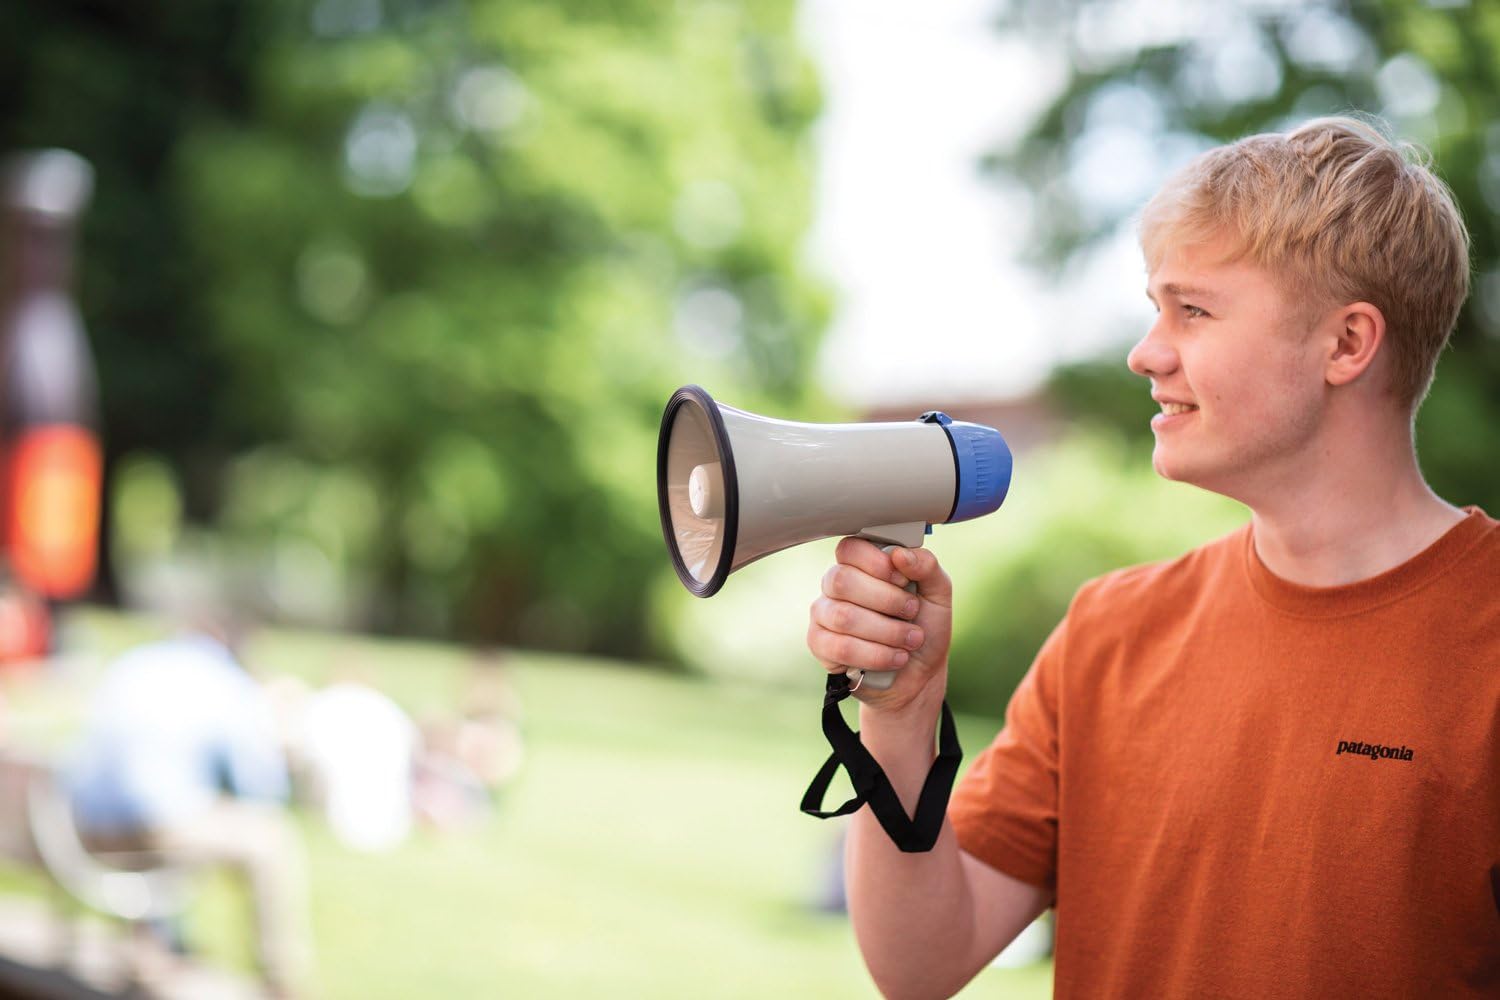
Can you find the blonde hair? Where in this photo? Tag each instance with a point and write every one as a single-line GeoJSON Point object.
{"type": "Point", "coordinates": [1341, 212]}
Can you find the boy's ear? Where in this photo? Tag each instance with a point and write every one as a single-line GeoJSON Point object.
{"type": "Point", "coordinates": [1359, 334]}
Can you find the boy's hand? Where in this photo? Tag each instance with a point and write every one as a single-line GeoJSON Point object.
{"type": "Point", "coordinates": [866, 619]}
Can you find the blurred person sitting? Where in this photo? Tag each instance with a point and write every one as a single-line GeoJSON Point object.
{"type": "Point", "coordinates": [358, 748]}
{"type": "Point", "coordinates": [180, 757]}
{"type": "Point", "coordinates": [488, 739]}
{"type": "Point", "coordinates": [466, 759]}
{"type": "Point", "coordinates": [463, 764]}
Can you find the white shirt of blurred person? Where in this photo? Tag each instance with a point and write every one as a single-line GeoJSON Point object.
{"type": "Point", "coordinates": [360, 747]}
{"type": "Point", "coordinates": [181, 756]}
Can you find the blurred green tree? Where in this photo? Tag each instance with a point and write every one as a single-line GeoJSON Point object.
{"type": "Point", "coordinates": [416, 276]}
{"type": "Point", "coordinates": [1146, 86]}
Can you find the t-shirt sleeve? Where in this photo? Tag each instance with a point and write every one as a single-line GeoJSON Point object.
{"type": "Point", "coordinates": [1005, 809]}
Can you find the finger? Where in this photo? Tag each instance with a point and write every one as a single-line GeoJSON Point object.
{"type": "Point", "coordinates": [848, 583]}
{"type": "Point", "coordinates": [871, 558]}
{"type": "Point", "coordinates": [923, 567]}
{"type": "Point", "coordinates": [837, 652]}
{"type": "Point", "coordinates": [851, 619]}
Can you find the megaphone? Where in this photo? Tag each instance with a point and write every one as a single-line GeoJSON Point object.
{"type": "Point", "coordinates": [733, 487]}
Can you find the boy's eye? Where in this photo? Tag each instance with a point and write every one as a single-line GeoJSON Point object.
{"type": "Point", "coordinates": [1193, 311]}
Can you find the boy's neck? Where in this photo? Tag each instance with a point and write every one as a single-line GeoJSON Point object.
{"type": "Point", "coordinates": [1351, 513]}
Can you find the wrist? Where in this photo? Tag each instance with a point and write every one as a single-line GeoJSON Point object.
{"type": "Point", "coordinates": [902, 710]}
{"type": "Point", "coordinates": [903, 739]}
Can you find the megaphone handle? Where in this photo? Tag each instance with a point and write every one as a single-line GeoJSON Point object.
{"type": "Point", "coordinates": [879, 680]}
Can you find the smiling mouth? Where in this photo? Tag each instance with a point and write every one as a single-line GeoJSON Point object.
{"type": "Point", "coordinates": [1174, 409]}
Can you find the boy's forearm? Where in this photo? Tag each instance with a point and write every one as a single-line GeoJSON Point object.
{"type": "Point", "coordinates": [912, 913]}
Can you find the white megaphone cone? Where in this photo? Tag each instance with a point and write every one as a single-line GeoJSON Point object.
{"type": "Point", "coordinates": [734, 486]}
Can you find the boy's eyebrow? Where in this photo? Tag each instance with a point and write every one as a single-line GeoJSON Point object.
{"type": "Point", "coordinates": [1183, 292]}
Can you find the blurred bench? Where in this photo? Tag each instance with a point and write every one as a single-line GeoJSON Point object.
{"type": "Point", "coordinates": [50, 953]}
{"type": "Point", "coordinates": [37, 829]}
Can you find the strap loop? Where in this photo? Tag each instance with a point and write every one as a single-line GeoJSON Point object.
{"type": "Point", "coordinates": [915, 834]}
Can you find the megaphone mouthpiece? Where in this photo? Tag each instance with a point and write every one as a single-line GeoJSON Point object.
{"type": "Point", "coordinates": [982, 463]}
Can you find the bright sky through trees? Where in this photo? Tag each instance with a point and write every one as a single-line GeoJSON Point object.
{"type": "Point", "coordinates": [921, 247]}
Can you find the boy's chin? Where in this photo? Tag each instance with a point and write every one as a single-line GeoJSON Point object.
{"type": "Point", "coordinates": [1165, 465]}
{"type": "Point", "coordinates": [1204, 475]}
{"type": "Point", "coordinates": [1173, 467]}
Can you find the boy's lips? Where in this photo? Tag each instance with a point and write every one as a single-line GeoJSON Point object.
{"type": "Point", "coordinates": [1173, 412]}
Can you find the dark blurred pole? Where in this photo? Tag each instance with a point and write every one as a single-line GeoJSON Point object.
{"type": "Point", "coordinates": [51, 465]}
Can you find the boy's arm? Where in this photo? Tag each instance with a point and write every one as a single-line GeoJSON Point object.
{"type": "Point", "coordinates": [926, 923]}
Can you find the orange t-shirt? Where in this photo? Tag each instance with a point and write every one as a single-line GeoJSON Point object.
{"type": "Point", "coordinates": [1242, 787]}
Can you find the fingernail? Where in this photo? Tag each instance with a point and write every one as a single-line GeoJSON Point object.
{"type": "Point", "coordinates": [899, 659]}
{"type": "Point", "coordinates": [910, 608]}
{"type": "Point", "coordinates": [913, 639]}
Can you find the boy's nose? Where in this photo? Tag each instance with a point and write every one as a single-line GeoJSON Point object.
{"type": "Point", "coordinates": [1152, 356]}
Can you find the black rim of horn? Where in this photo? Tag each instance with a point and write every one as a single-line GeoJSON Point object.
{"type": "Point", "coordinates": [696, 395]}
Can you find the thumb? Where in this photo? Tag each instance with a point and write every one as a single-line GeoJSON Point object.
{"type": "Point", "coordinates": [922, 566]}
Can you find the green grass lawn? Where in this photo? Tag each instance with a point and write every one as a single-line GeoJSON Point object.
{"type": "Point", "coordinates": [651, 846]}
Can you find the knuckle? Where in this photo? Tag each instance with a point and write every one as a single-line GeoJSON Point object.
{"type": "Point", "coordinates": [852, 550]}
{"type": "Point", "coordinates": [830, 580]}
{"type": "Point", "coordinates": [842, 580]}
{"type": "Point", "coordinates": [843, 617]}
{"type": "Point", "coordinates": [818, 644]}
{"type": "Point", "coordinates": [898, 633]}
{"type": "Point", "coordinates": [817, 613]}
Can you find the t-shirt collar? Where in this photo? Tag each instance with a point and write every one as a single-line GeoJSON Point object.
{"type": "Point", "coordinates": [1376, 591]}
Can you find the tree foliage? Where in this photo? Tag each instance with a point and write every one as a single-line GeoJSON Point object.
{"type": "Point", "coordinates": [406, 283]}
{"type": "Point", "coordinates": [1147, 85]}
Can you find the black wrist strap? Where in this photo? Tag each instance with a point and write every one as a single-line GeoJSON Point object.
{"type": "Point", "coordinates": [913, 835]}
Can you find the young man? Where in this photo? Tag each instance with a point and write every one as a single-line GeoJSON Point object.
{"type": "Point", "coordinates": [1271, 767]}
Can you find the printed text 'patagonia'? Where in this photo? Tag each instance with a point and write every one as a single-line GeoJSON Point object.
{"type": "Point", "coordinates": [1374, 751]}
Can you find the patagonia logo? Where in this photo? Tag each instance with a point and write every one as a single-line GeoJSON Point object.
{"type": "Point", "coordinates": [1374, 751]}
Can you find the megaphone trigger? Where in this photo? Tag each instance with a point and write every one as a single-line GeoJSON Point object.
{"type": "Point", "coordinates": [879, 680]}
